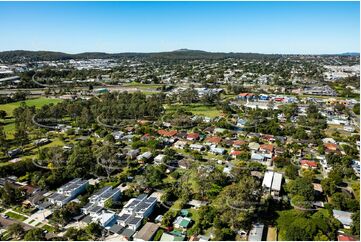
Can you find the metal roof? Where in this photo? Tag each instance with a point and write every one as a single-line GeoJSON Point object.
{"type": "Point", "coordinates": [277, 181]}
{"type": "Point", "coordinates": [267, 179]}
{"type": "Point", "coordinates": [256, 233]}
{"type": "Point", "coordinates": [147, 231]}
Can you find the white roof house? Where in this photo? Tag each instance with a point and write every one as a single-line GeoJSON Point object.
{"type": "Point", "coordinates": [159, 158]}
{"type": "Point", "coordinates": [277, 181]}
{"type": "Point", "coordinates": [272, 182]}
{"type": "Point", "coordinates": [256, 232]}
{"type": "Point", "coordinates": [267, 179]}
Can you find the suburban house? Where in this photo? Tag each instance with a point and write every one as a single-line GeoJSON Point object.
{"type": "Point", "coordinates": [330, 147]}
{"type": "Point", "coordinates": [101, 196]}
{"type": "Point", "coordinates": [235, 153]}
{"type": "Point", "coordinates": [166, 133]}
{"type": "Point", "coordinates": [217, 150]}
{"type": "Point", "coordinates": [135, 211]}
{"type": "Point", "coordinates": [104, 218]}
{"type": "Point", "coordinates": [238, 143]}
{"type": "Point", "coordinates": [193, 136]}
{"type": "Point", "coordinates": [344, 217]}
{"type": "Point", "coordinates": [147, 232]}
{"type": "Point", "coordinates": [197, 147]}
{"type": "Point", "coordinates": [184, 164]}
{"type": "Point", "coordinates": [68, 192]}
{"type": "Point", "coordinates": [159, 159]}
{"type": "Point", "coordinates": [213, 140]}
{"type": "Point", "coordinates": [145, 156]}
{"type": "Point", "coordinates": [256, 233]}
{"type": "Point", "coordinates": [306, 164]}
{"type": "Point", "coordinates": [272, 182]}
{"type": "Point", "coordinates": [266, 148]}
{"type": "Point", "coordinates": [132, 154]}
{"type": "Point", "coordinates": [253, 146]}
{"type": "Point", "coordinates": [182, 223]}
{"type": "Point", "coordinates": [180, 144]}
{"type": "Point", "coordinates": [344, 237]}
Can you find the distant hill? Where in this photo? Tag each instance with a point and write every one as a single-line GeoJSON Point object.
{"type": "Point", "coordinates": [24, 55]}
{"type": "Point", "coordinates": [350, 54]}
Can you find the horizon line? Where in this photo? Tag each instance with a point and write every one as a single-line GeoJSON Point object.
{"type": "Point", "coordinates": [179, 50]}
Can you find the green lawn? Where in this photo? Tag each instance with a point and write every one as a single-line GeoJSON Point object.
{"type": "Point", "coordinates": [142, 86]}
{"type": "Point", "coordinates": [15, 216]}
{"type": "Point", "coordinates": [197, 109]}
{"type": "Point", "coordinates": [9, 129]}
{"type": "Point", "coordinates": [37, 102]}
{"type": "Point", "coordinates": [54, 143]}
{"type": "Point", "coordinates": [48, 228]}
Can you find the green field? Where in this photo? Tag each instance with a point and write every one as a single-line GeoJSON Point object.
{"type": "Point", "coordinates": [9, 126]}
{"type": "Point", "coordinates": [197, 109]}
{"type": "Point", "coordinates": [142, 86]}
{"type": "Point", "coordinates": [15, 216]}
{"type": "Point", "coordinates": [37, 102]}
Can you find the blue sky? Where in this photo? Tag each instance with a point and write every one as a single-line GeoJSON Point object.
{"type": "Point", "coordinates": [262, 27]}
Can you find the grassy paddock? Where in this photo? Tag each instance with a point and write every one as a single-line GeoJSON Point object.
{"type": "Point", "coordinates": [197, 109]}
{"type": "Point", "coordinates": [37, 102]}
{"type": "Point", "coordinates": [9, 108]}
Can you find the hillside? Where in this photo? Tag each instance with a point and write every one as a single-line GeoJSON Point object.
{"type": "Point", "coordinates": [23, 55]}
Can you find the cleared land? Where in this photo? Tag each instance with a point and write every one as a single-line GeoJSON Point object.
{"type": "Point", "coordinates": [197, 109]}
{"type": "Point", "coordinates": [9, 108]}
{"type": "Point", "coordinates": [38, 102]}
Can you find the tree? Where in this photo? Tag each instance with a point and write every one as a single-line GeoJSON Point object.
{"type": "Point", "coordinates": [336, 175]}
{"type": "Point", "coordinates": [10, 195]}
{"type": "Point", "coordinates": [343, 201]}
{"type": "Point", "coordinates": [328, 186]}
{"type": "Point", "coordinates": [302, 187]}
{"type": "Point", "coordinates": [301, 229]}
{"type": "Point", "coordinates": [3, 143]}
{"type": "Point", "coordinates": [109, 203]}
{"type": "Point", "coordinates": [16, 230]}
{"type": "Point", "coordinates": [188, 96]}
{"type": "Point", "coordinates": [236, 203]}
{"type": "Point", "coordinates": [280, 161]}
{"type": "Point", "coordinates": [93, 230]}
{"type": "Point", "coordinates": [81, 161]}
{"type": "Point", "coordinates": [36, 234]}
{"type": "Point", "coordinates": [3, 114]}
{"type": "Point", "coordinates": [66, 213]}
{"type": "Point", "coordinates": [154, 175]}
{"type": "Point", "coordinates": [356, 109]}
{"type": "Point", "coordinates": [291, 171]}
{"type": "Point", "coordinates": [355, 228]}
{"type": "Point", "coordinates": [71, 233]}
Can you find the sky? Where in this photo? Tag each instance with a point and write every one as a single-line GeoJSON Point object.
{"type": "Point", "coordinates": [114, 27]}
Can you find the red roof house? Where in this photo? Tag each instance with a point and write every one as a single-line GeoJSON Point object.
{"type": "Point", "coordinates": [308, 164]}
{"type": "Point", "coordinates": [214, 139]}
{"type": "Point", "coordinates": [239, 143]}
{"type": "Point", "coordinates": [266, 147]}
{"type": "Point", "coordinates": [166, 133]}
{"type": "Point", "coordinates": [193, 136]}
{"type": "Point", "coordinates": [343, 237]}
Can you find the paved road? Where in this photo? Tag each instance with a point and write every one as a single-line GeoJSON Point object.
{"type": "Point", "coordinates": [8, 221]}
